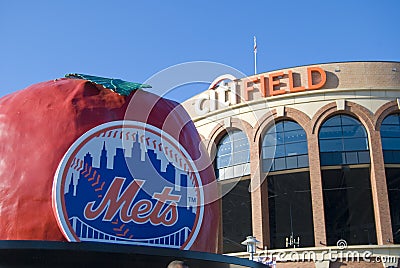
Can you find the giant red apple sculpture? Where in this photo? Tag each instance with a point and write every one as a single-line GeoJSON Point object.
{"type": "Point", "coordinates": [38, 126]}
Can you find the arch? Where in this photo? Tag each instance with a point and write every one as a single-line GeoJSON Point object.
{"type": "Point", "coordinates": [343, 140]}
{"type": "Point", "coordinates": [284, 146]}
{"type": "Point", "coordinates": [220, 130]}
{"type": "Point", "coordinates": [353, 109]}
{"type": "Point", "coordinates": [383, 111]}
{"type": "Point", "coordinates": [290, 114]}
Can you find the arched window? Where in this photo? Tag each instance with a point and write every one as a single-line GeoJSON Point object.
{"type": "Point", "coordinates": [284, 147]}
{"type": "Point", "coordinates": [233, 156]}
{"type": "Point", "coordinates": [346, 185]}
{"type": "Point", "coordinates": [343, 141]}
{"type": "Point", "coordinates": [233, 161]}
{"type": "Point", "coordinates": [390, 134]}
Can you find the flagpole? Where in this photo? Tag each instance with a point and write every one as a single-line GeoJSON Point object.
{"type": "Point", "coordinates": [255, 55]}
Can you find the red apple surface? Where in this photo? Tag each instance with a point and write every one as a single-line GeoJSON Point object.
{"type": "Point", "coordinates": [40, 123]}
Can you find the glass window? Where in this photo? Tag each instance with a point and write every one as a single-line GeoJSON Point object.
{"type": "Point", "coordinates": [331, 145]}
{"type": "Point", "coordinates": [349, 121]}
{"type": "Point", "coordinates": [296, 148]}
{"type": "Point", "coordinates": [290, 125]}
{"type": "Point", "coordinates": [356, 144]}
{"type": "Point", "coordinates": [294, 136]}
{"type": "Point", "coordinates": [393, 186]}
{"type": "Point", "coordinates": [348, 206]}
{"type": "Point", "coordinates": [233, 153]}
{"type": "Point", "coordinates": [333, 121]}
{"type": "Point", "coordinates": [343, 140]}
{"type": "Point", "coordinates": [330, 132]}
{"type": "Point", "coordinates": [353, 131]}
{"type": "Point", "coordinates": [390, 131]}
{"type": "Point", "coordinates": [363, 157]}
{"type": "Point", "coordinates": [236, 211]}
{"type": "Point", "coordinates": [291, 162]}
{"type": "Point", "coordinates": [390, 134]}
{"type": "Point", "coordinates": [302, 161]}
{"type": "Point", "coordinates": [283, 144]}
{"type": "Point", "coordinates": [290, 209]}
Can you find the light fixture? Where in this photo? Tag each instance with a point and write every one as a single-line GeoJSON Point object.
{"type": "Point", "coordinates": [251, 244]}
{"type": "Point", "coordinates": [337, 69]}
{"type": "Point", "coordinates": [394, 69]}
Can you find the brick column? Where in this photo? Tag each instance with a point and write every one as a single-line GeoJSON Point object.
{"type": "Point", "coordinates": [317, 197]}
{"type": "Point", "coordinates": [259, 198]}
{"type": "Point", "coordinates": [380, 197]}
{"type": "Point", "coordinates": [220, 238]}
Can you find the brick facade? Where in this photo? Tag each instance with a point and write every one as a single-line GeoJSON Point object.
{"type": "Point", "coordinates": [359, 105]}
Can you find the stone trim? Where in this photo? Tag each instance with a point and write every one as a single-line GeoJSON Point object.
{"type": "Point", "coordinates": [383, 111]}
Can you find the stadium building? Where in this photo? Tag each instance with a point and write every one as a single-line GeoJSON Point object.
{"type": "Point", "coordinates": [308, 162]}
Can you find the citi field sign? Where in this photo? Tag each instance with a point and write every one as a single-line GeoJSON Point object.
{"type": "Point", "coordinates": [242, 90]}
{"type": "Point", "coordinates": [129, 182]}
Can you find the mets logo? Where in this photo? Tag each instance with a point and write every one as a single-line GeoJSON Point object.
{"type": "Point", "coordinates": [128, 182]}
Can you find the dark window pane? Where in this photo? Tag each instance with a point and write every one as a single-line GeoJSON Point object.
{"type": "Point", "coordinates": [393, 186]}
{"type": "Point", "coordinates": [390, 131]}
{"type": "Point", "coordinates": [296, 148]}
{"type": "Point", "coordinates": [236, 211]}
{"type": "Point", "coordinates": [330, 132]}
{"type": "Point", "coordinates": [331, 145]}
{"type": "Point", "coordinates": [349, 121]}
{"type": "Point", "coordinates": [391, 157]}
{"type": "Point", "coordinates": [290, 210]}
{"type": "Point", "coordinates": [331, 159]}
{"type": "Point", "coordinates": [396, 155]}
{"type": "Point", "coordinates": [390, 134]}
{"type": "Point", "coordinates": [289, 125]}
{"type": "Point", "coordinates": [333, 121]}
{"type": "Point", "coordinates": [393, 119]}
{"type": "Point", "coordinates": [348, 206]}
{"type": "Point", "coordinates": [391, 143]}
{"type": "Point", "coordinates": [354, 131]}
{"type": "Point", "coordinates": [356, 144]}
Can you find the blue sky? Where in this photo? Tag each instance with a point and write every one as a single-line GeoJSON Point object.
{"type": "Point", "coordinates": [132, 40]}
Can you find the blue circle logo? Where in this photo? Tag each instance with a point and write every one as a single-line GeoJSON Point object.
{"type": "Point", "coordinates": [128, 182]}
